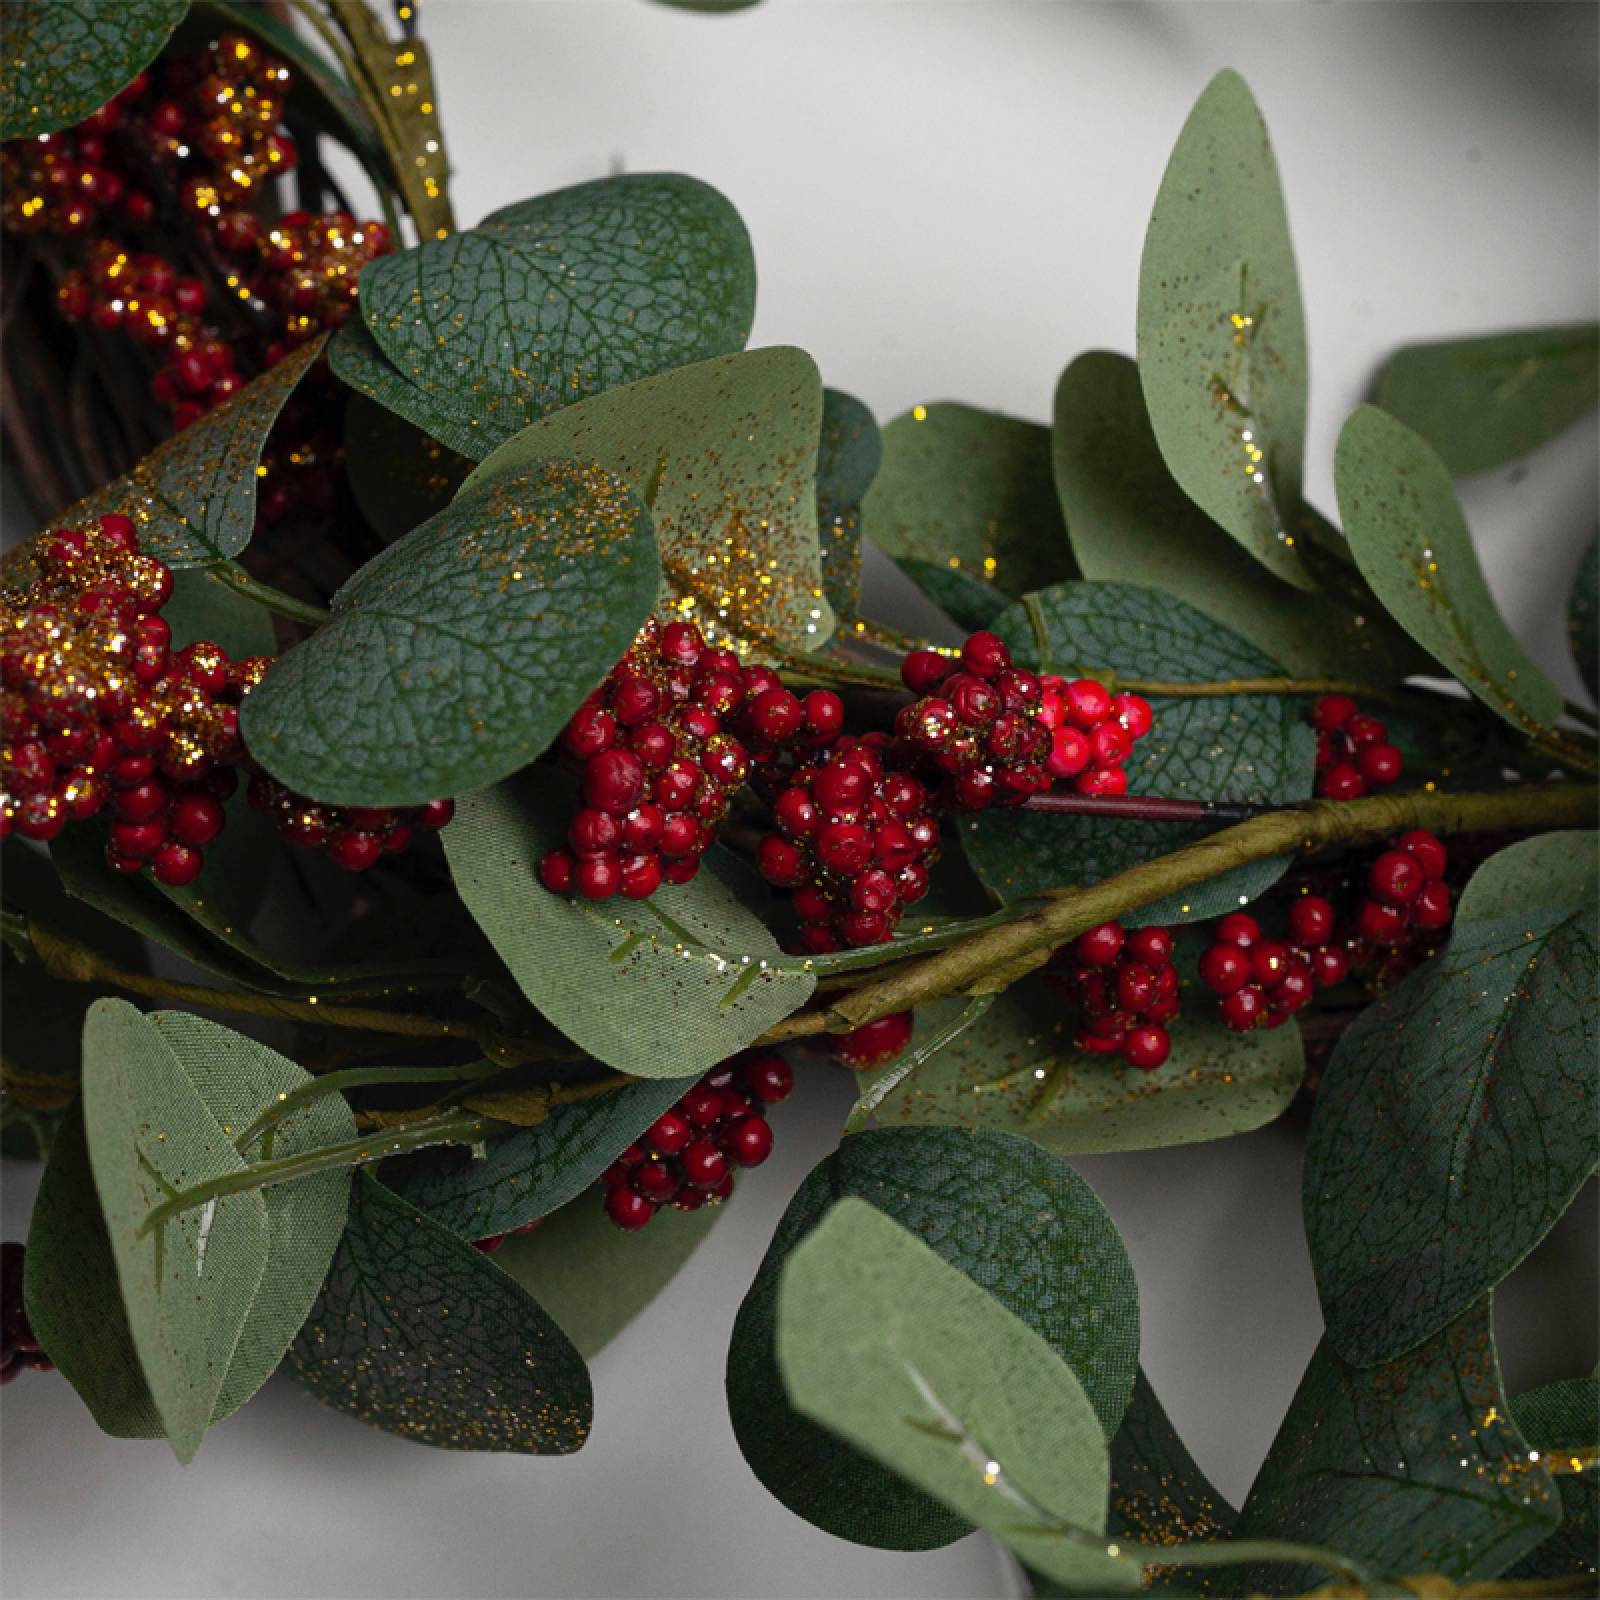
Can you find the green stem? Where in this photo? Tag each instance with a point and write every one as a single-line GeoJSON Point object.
{"type": "Point", "coordinates": [232, 576]}
{"type": "Point", "coordinates": [914, 944]}
{"type": "Point", "coordinates": [449, 1127]}
{"type": "Point", "coordinates": [822, 669]}
{"type": "Point", "coordinates": [1237, 1552]}
{"type": "Point", "coordinates": [913, 1058]}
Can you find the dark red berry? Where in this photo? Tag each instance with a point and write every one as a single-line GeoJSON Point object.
{"type": "Point", "coordinates": [1146, 1047]}
{"type": "Point", "coordinates": [1396, 878]}
{"type": "Point", "coordinates": [628, 1208]}
{"type": "Point", "coordinates": [1224, 969]}
{"type": "Point", "coordinates": [1311, 920]}
{"type": "Point", "coordinates": [873, 1043]}
{"type": "Point", "coordinates": [1099, 946]}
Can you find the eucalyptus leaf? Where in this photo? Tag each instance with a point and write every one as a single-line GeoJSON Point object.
{"type": "Point", "coordinates": [522, 1176]}
{"type": "Point", "coordinates": [725, 454]}
{"type": "Point", "coordinates": [1130, 521]}
{"type": "Point", "coordinates": [66, 58]}
{"type": "Point", "coordinates": [203, 607]}
{"type": "Point", "coordinates": [193, 498]}
{"type": "Point", "coordinates": [1222, 339]}
{"type": "Point", "coordinates": [1222, 747]}
{"type": "Point", "coordinates": [966, 504]}
{"type": "Point", "coordinates": [659, 988]}
{"type": "Point", "coordinates": [399, 475]}
{"type": "Point", "coordinates": [419, 1334]}
{"type": "Point", "coordinates": [848, 458]}
{"type": "Point", "coordinates": [357, 360]}
{"type": "Point", "coordinates": [1020, 1224]}
{"type": "Point", "coordinates": [1562, 1421]}
{"type": "Point", "coordinates": [457, 655]}
{"type": "Point", "coordinates": [1414, 1466]}
{"type": "Point", "coordinates": [1158, 1493]}
{"type": "Point", "coordinates": [592, 1277]}
{"type": "Point", "coordinates": [560, 297]}
{"type": "Point", "coordinates": [1410, 540]}
{"type": "Point", "coordinates": [1583, 618]}
{"type": "Point", "coordinates": [1483, 402]}
{"type": "Point", "coordinates": [906, 1358]}
{"type": "Point", "coordinates": [1454, 1122]}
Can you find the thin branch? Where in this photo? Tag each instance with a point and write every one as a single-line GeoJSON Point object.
{"type": "Point", "coordinates": [1144, 807]}
{"type": "Point", "coordinates": [232, 576]}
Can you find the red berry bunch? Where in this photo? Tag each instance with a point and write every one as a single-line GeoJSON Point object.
{"type": "Point", "coordinates": [492, 1241]}
{"type": "Point", "coordinates": [1406, 892]}
{"type": "Point", "coordinates": [660, 759]}
{"type": "Point", "coordinates": [687, 1156]}
{"type": "Point", "coordinates": [1263, 982]}
{"type": "Point", "coordinates": [1354, 756]}
{"type": "Point", "coordinates": [18, 1346]}
{"type": "Point", "coordinates": [1126, 990]}
{"type": "Point", "coordinates": [874, 1043]}
{"type": "Point", "coordinates": [352, 837]}
{"type": "Point", "coordinates": [856, 838]}
{"type": "Point", "coordinates": [996, 733]}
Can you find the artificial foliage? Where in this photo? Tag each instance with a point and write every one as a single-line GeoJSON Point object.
{"type": "Point", "coordinates": [454, 788]}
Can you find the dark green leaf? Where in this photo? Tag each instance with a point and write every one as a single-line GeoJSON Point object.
{"type": "Point", "coordinates": [907, 1359]}
{"type": "Point", "coordinates": [660, 988]}
{"type": "Point", "coordinates": [725, 454]}
{"type": "Point", "coordinates": [1410, 1467]}
{"type": "Point", "coordinates": [201, 607]}
{"type": "Point", "coordinates": [1562, 1422]}
{"type": "Point", "coordinates": [1483, 402]}
{"type": "Point", "coordinates": [1019, 1223]}
{"type": "Point", "coordinates": [1225, 747]}
{"type": "Point", "coordinates": [593, 1278]}
{"type": "Point", "coordinates": [1455, 1121]}
{"type": "Point", "coordinates": [355, 358]}
{"type": "Point", "coordinates": [421, 1335]}
{"type": "Point", "coordinates": [1583, 618]}
{"type": "Point", "coordinates": [1016, 1070]}
{"type": "Point", "coordinates": [1158, 1494]}
{"type": "Point", "coordinates": [457, 655]}
{"type": "Point", "coordinates": [66, 58]}
{"type": "Point", "coordinates": [848, 458]}
{"type": "Point", "coordinates": [557, 298]}
{"type": "Point", "coordinates": [966, 503]}
{"type": "Point", "coordinates": [1130, 521]}
{"type": "Point", "coordinates": [399, 475]}
{"type": "Point", "coordinates": [1222, 339]}
{"type": "Point", "coordinates": [1410, 540]}
{"type": "Point", "coordinates": [528, 1174]}
{"type": "Point", "coordinates": [193, 497]}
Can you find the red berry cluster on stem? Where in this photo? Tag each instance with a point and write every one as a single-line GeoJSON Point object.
{"type": "Point", "coordinates": [1262, 982]}
{"type": "Point", "coordinates": [352, 837]}
{"type": "Point", "coordinates": [1406, 891]}
{"type": "Point", "coordinates": [1354, 756]}
{"type": "Point", "coordinates": [687, 1157]}
{"type": "Point", "coordinates": [1126, 990]}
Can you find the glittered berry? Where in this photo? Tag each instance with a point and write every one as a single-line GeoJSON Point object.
{"type": "Point", "coordinates": [613, 781]}
{"type": "Point", "coordinates": [873, 1043]}
{"type": "Point", "coordinates": [843, 847]}
{"type": "Point", "coordinates": [1269, 960]}
{"type": "Point", "coordinates": [1146, 1047]}
{"type": "Point", "coordinates": [354, 850]}
{"type": "Point", "coordinates": [640, 876]}
{"type": "Point", "coordinates": [780, 862]}
{"type": "Point", "coordinates": [824, 714]}
{"type": "Point", "coordinates": [776, 716]}
{"type": "Point", "coordinates": [1151, 945]}
{"type": "Point", "coordinates": [591, 729]}
{"type": "Point", "coordinates": [1242, 1010]}
{"type": "Point", "coordinates": [1134, 713]}
{"type": "Point", "coordinates": [196, 820]}
{"type": "Point", "coordinates": [924, 670]}
{"type": "Point", "coordinates": [985, 655]}
{"type": "Point", "coordinates": [176, 864]}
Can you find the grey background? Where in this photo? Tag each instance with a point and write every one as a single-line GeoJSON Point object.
{"type": "Point", "coordinates": [947, 201]}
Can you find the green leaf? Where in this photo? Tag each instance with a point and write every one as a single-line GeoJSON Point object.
{"type": "Point", "coordinates": [356, 360]}
{"type": "Point", "coordinates": [1015, 1220]}
{"type": "Point", "coordinates": [911, 1362]}
{"type": "Point", "coordinates": [848, 458]}
{"type": "Point", "coordinates": [1455, 1120]}
{"type": "Point", "coordinates": [530, 1173]}
{"type": "Point", "coordinates": [593, 1278]}
{"type": "Point", "coordinates": [188, 1284]}
{"type": "Point", "coordinates": [66, 58]}
{"type": "Point", "coordinates": [560, 297]}
{"type": "Point", "coordinates": [1016, 1070]}
{"type": "Point", "coordinates": [421, 1335]}
{"type": "Point", "coordinates": [399, 474]}
{"type": "Point", "coordinates": [1130, 521]}
{"type": "Point", "coordinates": [1562, 1422]}
{"type": "Point", "coordinates": [1222, 339]}
{"type": "Point", "coordinates": [1158, 1494]}
{"type": "Point", "coordinates": [457, 655]}
{"type": "Point", "coordinates": [1410, 1467]}
{"type": "Point", "coordinates": [1583, 618]}
{"type": "Point", "coordinates": [1225, 747]}
{"type": "Point", "coordinates": [1483, 402]}
{"type": "Point", "coordinates": [725, 455]}
{"type": "Point", "coordinates": [1410, 540]}
{"type": "Point", "coordinates": [203, 607]}
{"type": "Point", "coordinates": [659, 988]}
{"type": "Point", "coordinates": [193, 497]}
{"type": "Point", "coordinates": [966, 504]}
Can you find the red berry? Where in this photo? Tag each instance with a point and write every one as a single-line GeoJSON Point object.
{"type": "Point", "coordinates": [1099, 946]}
{"type": "Point", "coordinates": [628, 1209]}
{"type": "Point", "coordinates": [556, 871]}
{"type": "Point", "coordinates": [1224, 969]}
{"type": "Point", "coordinates": [1070, 752]}
{"type": "Point", "coordinates": [859, 929]}
{"type": "Point", "coordinates": [843, 847]}
{"type": "Point", "coordinates": [655, 1180]}
{"type": "Point", "coordinates": [1146, 1047]}
{"type": "Point", "coordinates": [597, 877]}
{"type": "Point", "coordinates": [1111, 744]}
{"type": "Point", "coordinates": [1134, 713]}
{"type": "Point", "coordinates": [1269, 961]}
{"type": "Point", "coordinates": [749, 1141]}
{"type": "Point", "coordinates": [1381, 924]}
{"type": "Point", "coordinates": [354, 850]}
{"type": "Point", "coordinates": [776, 716]}
{"type": "Point", "coordinates": [1152, 946]}
{"type": "Point", "coordinates": [176, 865]}
{"type": "Point", "coordinates": [1431, 909]}
{"type": "Point", "coordinates": [840, 787]}
{"type": "Point", "coordinates": [613, 781]}
{"type": "Point", "coordinates": [1332, 712]}
{"type": "Point", "coordinates": [1341, 782]}
{"type": "Point", "coordinates": [1379, 764]}
{"type": "Point", "coordinates": [641, 876]}
{"type": "Point", "coordinates": [985, 656]}
{"type": "Point", "coordinates": [1429, 854]}
{"type": "Point", "coordinates": [795, 813]}
{"type": "Point", "coordinates": [1102, 780]}
{"type": "Point", "coordinates": [680, 836]}
{"type": "Point", "coordinates": [824, 714]}
{"type": "Point", "coordinates": [1329, 966]}
{"type": "Point", "coordinates": [592, 833]}
{"type": "Point", "coordinates": [1295, 988]}
{"type": "Point", "coordinates": [780, 862]}
{"type": "Point", "coordinates": [1396, 878]}
{"type": "Point", "coordinates": [769, 1078]}
{"type": "Point", "coordinates": [196, 820]}
{"type": "Point", "coordinates": [591, 729]}
{"type": "Point", "coordinates": [1242, 1010]}
{"type": "Point", "coordinates": [1239, 928]}
{"type": "Point", "coordinates": [1311, 920]}
{"type": "Point", "coordinates": [133, 838]}
{"type": "Point", "coordinates": [681, 642]}
{"type": "Point", "coordinates": [703, 1164]}
{"type": "Point", "coordinates": [654, 744]}
{"type": "Point", "coordinates": [669, 1133]}
{"type": "Point", "coordinates": [1088, 703]}
{"type": "Point", "coordinates": [924, 670]}
{"type": "Point", "coordinates": [1136, 986]}
{"type": "Point", "coordinates": [873, 1043]}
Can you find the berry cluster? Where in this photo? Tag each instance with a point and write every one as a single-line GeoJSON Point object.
{"type": "Point", "coordinates": [995, 734]}
{"type": "Point", "coordinates": [1354, 756]}
{"type": "Point", "coordinates": [18, 1346]}
{"type": "Point", "coordinates": [855, 840]}
{"type": "Point", "coordinates": [660, 759]}
{"type": "Point", "coordinates": [1263, 982]}
{"type": "Point", "coordinates": [1406, 891]}
{"type": "Point", "coordinates": [687, 1156]}
{"type": "Point", "coordinates": [873, 1044]}
{"type": "Point", "coordinates": [352, 837]}
{"type": "Point", "coordinates": [1126, 991]}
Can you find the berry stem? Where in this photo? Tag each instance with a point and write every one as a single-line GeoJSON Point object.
{"type": "Point", "coordinates": [992, 960]}
{"type": "Point", "coordinates": [825, 669]}
{"type": "Point", "coordinates": [232, 576]}
{"type": "Point", "coordinates": [866, 631]}
{"type": "Point", "coordinates": [1144, 807]}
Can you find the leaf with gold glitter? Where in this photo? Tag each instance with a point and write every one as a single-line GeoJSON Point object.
{"type": "Point", "coordinates": [1227, 747]}
{"type": "Point", "coordinates": [1413, 1466]}
{"type": "Point", "coordinates": [66, 58]}
{"type": "Point", "coordinates": [660, 988]}
{"type": "Point", "coordinates": [887, 1346]}
{"type": "Point", "coordinates": [1562, 1422]}
{"type": "Point", "coordinates": [966, 504]}
{"type": "Point", "coordinates": [399, 474]}
{"type": "Point", "coordinates": [356, 360]}
{"type": "Point", "coordinates": [419, 1334]}
{"type": "Point", "coordinates": [1455, 1121]}
{"type": "Point", "coordinates": [560, 297]}
{"type": "Point", "coordinates": [848, 458]}
{"type": "Point", "coordinates": [725, 455]}
{"type": "Point", "coordinates": [1409, 538]}
{"type": "Point", "coordinates": [1015, 1220]}
{"type": "Point", "coordinates": [193, 498]}
{"type": "Point", "coordinates": [457, 655]}
{"type": "Point", "coordinates": [1222, 339]}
